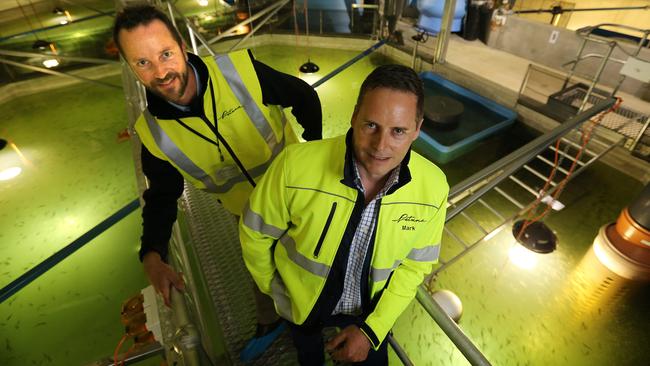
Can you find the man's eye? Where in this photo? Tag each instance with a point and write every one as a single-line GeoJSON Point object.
{"type": "Point", "coordinates": [167, 54]}
{"type": "Point", "coordinates": [141, 63]}
{"type": "Point", "coordinates": [399, 131]}
{"type": "Point", "coordinates": [371, 125]}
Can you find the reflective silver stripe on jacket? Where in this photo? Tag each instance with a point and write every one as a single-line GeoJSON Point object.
{"type": "Point", "coordinates": [175, 154]}
{"type": "Point", "coordinates": [255, 222]}
{"type": "Point", "coordinates": [280, 297]}
{"type": "Point", "coordinates": [242, 94]}
{"type": "Point", "coordinates": [382, 274]}
{"type": "Point", "coordinates": [319, 269]}
{"type": "Point", "coordinates": [427, 254]}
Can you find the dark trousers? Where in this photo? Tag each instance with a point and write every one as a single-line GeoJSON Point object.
{"type": "Point", "coordinates": [309, 342]}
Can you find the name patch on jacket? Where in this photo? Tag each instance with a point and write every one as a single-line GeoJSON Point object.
{"type": "Point", "coordinates": [408, 221]}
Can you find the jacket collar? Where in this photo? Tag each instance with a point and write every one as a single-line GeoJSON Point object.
{"type": "Point", "coordinates": [348, 167]}
{"type": "Point", "coordinates": [160, 108]}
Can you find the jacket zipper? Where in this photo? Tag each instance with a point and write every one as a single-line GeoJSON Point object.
{"type": "Point", "coordinates": [322, 235]}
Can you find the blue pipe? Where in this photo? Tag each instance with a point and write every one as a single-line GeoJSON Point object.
{"type": "Point", "coordinates": [112, 13]}
{"type": "Point", "coordinates": [29, 276]}
{"type": "Point", "coordinates": [345, 65]}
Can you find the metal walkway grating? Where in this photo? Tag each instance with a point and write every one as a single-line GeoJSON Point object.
{"type": "Point", "coordinates": [214, 238]}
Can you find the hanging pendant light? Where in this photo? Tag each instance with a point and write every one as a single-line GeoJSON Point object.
{"type": "Point", "coordinates": [41, 45]}
{"type": "Point", "coordinates": [309, 67]}
{"type": "Point", "coordinates": [536, 236]}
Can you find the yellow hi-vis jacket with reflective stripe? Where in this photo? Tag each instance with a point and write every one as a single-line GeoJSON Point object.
{"type": "Point", "coordinates": [255, 132]}
{"type": "Point", "coordinates": [296, 218]}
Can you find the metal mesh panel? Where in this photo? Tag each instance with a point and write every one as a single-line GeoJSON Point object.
{"type": "Point", "coordinates": [214, 235]}
{"type": "Point", "coordinates": [545, 91]}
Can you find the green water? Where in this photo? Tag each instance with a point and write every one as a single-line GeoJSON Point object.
{"type": "Point", "coordinates": [75, 174]}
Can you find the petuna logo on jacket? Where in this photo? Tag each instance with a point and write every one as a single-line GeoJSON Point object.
{"type": "Point", "coordinates": [228, 112]}
{"type": "Point", "coordinates": [408, 221]}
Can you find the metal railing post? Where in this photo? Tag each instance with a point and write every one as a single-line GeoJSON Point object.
{"type": "Point", "coordinates": [442, 40]}
{"type": "Point", "coordinates": [601, 68]}
{"type": "Point", "coordinates": [190, 32]}
{"type": "Point", "coordinates": [575, 64]}
{"type": "Point", "coordinates": [641, 133]}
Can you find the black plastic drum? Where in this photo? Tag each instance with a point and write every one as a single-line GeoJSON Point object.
{"type": "Point", "coordinates": [441, 112]}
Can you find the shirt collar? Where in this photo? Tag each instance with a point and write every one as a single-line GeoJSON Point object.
{"type": "Point", "coordinates": [393, 178]}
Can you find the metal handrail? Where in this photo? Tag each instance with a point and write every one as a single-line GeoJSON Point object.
{"type": "Point", "coordinates": [589, 29]}
{"type": "Point", "coordinates": [57, 73]}
{"type": "Point", "coordinates": [229, 32]}
{"type": "Point", "coordinates": [592, 55]}
{"type": "Point", "coordinates": [70, 58]}
{"type": "Point", "coordinates": [451, 329]}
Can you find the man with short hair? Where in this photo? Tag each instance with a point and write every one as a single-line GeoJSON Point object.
{"type": "Point", "coordinates": [341, 232]}
{"type": "Point", "coordinates": [215, 122]}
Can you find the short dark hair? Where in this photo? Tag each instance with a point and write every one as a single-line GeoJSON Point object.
{"type": "Point", "coordinates": [134, 16]}
{"type": "Point", "coordinates": [395, 77]}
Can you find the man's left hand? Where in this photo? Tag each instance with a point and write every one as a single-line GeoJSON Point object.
{"type": "Point", "coordinates": [350, 345]}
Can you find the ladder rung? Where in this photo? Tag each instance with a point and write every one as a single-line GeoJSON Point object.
{"type": "Point", "coordinates": [504, 194]}
{"type": "Point", "coordinates": [478, 226]}
{"type": "Point", "coordinates": [495, 212]}
{"type": "Point", "coordinates": [539, 175]}
{"type": "Point", "coordinates": [551, 164]}
{"type": "Point", "coordinates": [579, 146]}
{"type": "Point", "coordinates": [566, 155]}
{"type": "Point", "coordinates": [523, 185]}
{"type": "Point", "coordinates": [451, 233]}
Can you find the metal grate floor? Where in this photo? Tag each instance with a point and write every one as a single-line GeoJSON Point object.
{"type": "Point", "coordinates": [214, 235]}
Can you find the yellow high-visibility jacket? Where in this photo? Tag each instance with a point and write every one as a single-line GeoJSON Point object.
{"type": "Point", "coordinates": [298, 220]}
{"type": "Point", "coordinates": [255, 132]}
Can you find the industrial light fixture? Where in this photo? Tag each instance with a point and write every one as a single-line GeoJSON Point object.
{"type": "Point", "coordinates": [50, 63]}
{"type": "Point", "coordinates": [309, 67]}
{"type": "Point", "coordinates": [536, 236]}
{"type": "Point", "coordinates": [41, 45]}
{"type": "Point", "coordinates": [202, 2]}
{"type": "Point", "coordinates": [60, 11]}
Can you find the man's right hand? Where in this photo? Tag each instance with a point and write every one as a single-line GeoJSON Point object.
{"type": "Point", "coordinates": [161, 275]}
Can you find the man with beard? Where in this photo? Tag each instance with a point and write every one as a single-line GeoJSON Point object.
{"type": "Point", "coordinates": [215, 122]}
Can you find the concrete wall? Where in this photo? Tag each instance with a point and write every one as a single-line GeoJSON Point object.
{"type": "Point", "coordinates": [530, 39]}
{"type": "Point", "coordinates": [575, 20]}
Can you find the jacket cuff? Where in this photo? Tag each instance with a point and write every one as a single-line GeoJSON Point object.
{"type": "Point", "coordinates": [370, 334]}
